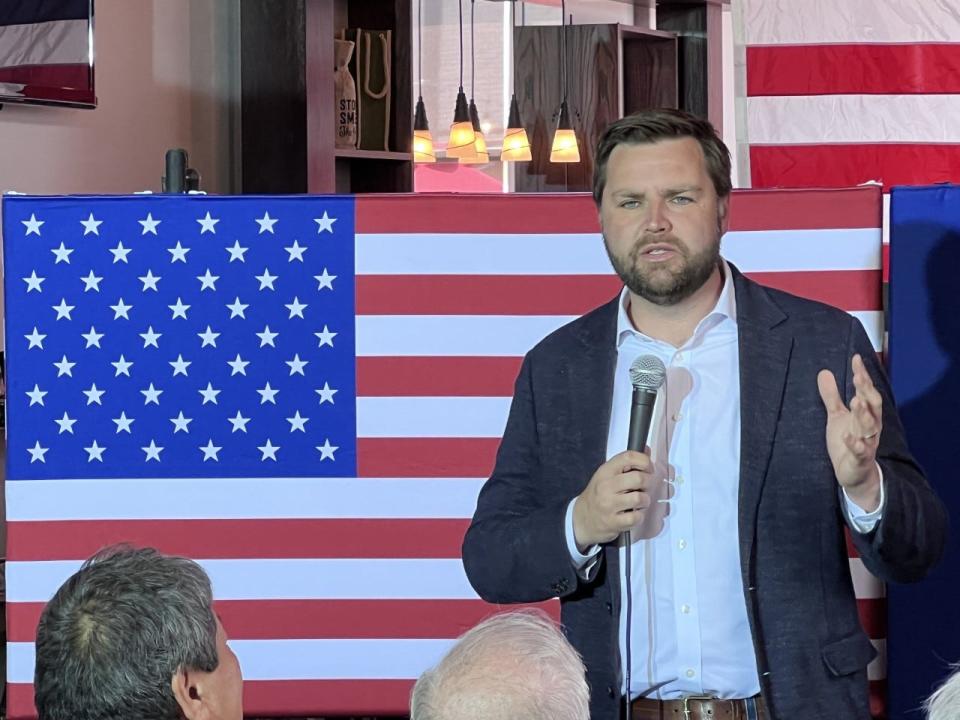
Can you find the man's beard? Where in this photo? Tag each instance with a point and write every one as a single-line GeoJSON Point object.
{"type": "Point", "coordinates": [659, 284]}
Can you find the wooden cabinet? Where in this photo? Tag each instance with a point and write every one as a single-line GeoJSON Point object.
{"type": "Point", "coordinates": [612, 69]}
{"type": "Point", "coordinates": [287, 98]}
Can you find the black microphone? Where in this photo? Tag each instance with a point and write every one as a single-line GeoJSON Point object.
{"type": "Point", "coordinates": [646, 374]}
{"type": "Point", "coordinates": [176, 171]}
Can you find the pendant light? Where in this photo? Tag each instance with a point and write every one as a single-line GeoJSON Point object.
{"type": "Point", "coordinates": [422, 139]}
{"type": "Point", "coordinates": [479, 143]}
{"type": "Point", "coordinates": [516, 144]}
{"type": "Point", "coordinates": [462, 137]}
{"type": "Point", "coordinates": [564, 148]}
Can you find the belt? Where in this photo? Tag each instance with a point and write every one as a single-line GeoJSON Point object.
{"type": "Point", "coordinates": [700, 708]}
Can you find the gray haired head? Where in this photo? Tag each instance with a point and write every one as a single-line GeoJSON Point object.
{"type": "Point", "coordinates": [116, 632]}
{"type": "Point", "coordinates": [512, 665]}
{"type": "Point", "coordinates": [647, 372]}
{"type": "Point", "coordinates": [944, 704]}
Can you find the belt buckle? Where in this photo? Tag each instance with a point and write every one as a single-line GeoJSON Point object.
{"type": "Point", "coordinates": [686, 700]}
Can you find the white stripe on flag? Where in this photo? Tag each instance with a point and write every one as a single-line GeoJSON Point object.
{"type": "Point", "coordinates": [453, 335]}
{"type": "Point", "coordinates": [286, 579]}
{"type": "Point", "coordinates": [395, 659]}
{"type": "Point", "coordinates": [451, 417]}
{"type": "Point", "coordinates": [475, 254]}
{"type": "Point", "coordinates": [858, 119]}
{"type": "Point", "coordinates": [803, 250]}
{"type": "Point", "coordinates": [58, 42]}
{"type": "Point", "coordinates": [782, 22]}
{"type": "Point", "coordinates": [877, 669]}
{"type": "Point", "coordinates": [865, 585]}
{"type": "Point", "coordinates": [872, 321]}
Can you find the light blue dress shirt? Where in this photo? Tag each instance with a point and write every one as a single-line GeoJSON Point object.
{"type": "Point", "coordinates": [689, 629]}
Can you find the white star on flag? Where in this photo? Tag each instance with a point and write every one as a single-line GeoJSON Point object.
{"type": "Point", "coordinates": [297, 365]}
{"type": "Point", "coordinates": [209, 395]}
{"type": "Point", "coordinates": [266, 223]}
{"type": "Point", "coordinates": [36, 395]}
{"type": "Point", "coordinates": [93, 337]}
{"type": "Point", "coordinates": [236, 309]}
{"type": "Point", "coordinates": [325, 279]}
{"type": "Point", "coordinates": [296, 251]}
{"type": "Point", "coordinates": [239, 422]}
{"type": "Point", "coordinates": [266, 280]}
{"type": "Point", "coordinates": [326, 394]}
{"type": "Point", "coordinates": [209, 337]}
{"type": "Point", "coordinates": [63, 310]}
{"type": "Point", "coordinates": [151, 395]}
{"type": "Point", "coordinates": [62, 253]}
{"type": "Point", "coordinates": [120, 253]}
{"type": "Point", "coordinates": [297, 422]}
{"type": "Point", "coordinates": [94, 395]}
{"type": "Point", "coordinates": [91, 225]}
{"type": "Point", "coordinates": [152, 451]}
{"type": "Point", "coordinates": [149, 224]}
{"type": "Point", "coordinates": [238, 366]}
{"type": "Point", "coordinates": [326, 337]}
{"type": "Point", "coordinates": [208, 281]}
{"type": "Point", "coordinates": [33, 282]}
{"type": "Point", "coordinates": [66, 424]}
{"type": "Point", "coordinates": [178, 253]}
{"type": "Point", "coordinates": [64, 367]}
{"type": "Point", "coordinates": [180, 423]}
{"type": "Point", "coordinates": [180, 366]}
{"type": "Point", "coordinates": [150, 338]}
{"type": "Point", "coordinates": [325, 224]}
{"type": "Point", "coordinates": [121, 310]}
{"type": "Point", "coordinates": [123, 367]}
{"type": "Point", "coordinates": [210, 451]}
{"type": "Point", "coordinates": [327, 450]}
{"type": "Point", "coordinates": [91, 282]}
{"type": "Point", "coordinates": [123, 423]}
{"type": "Point", "coordinates": [94, 452]}
{"type": "Point", "coordinates": [32, 225]}
{"type": "Point", "coordinates": [267, 337]}
{"type": "Point", "coordinates": [37, 452]}
{"type": "Point", "coordinates": [296, 309]}
{"type": "Point", "coordinates": [269, 451]}
{"type": "Point", "coordinates": [236, 252]}
{"type": "Point", "coordinates": [208, 224]}
{"type": "Point", "coordinates": [149, 281]}
{"type": "Point", "coordinates": [267, 394]}
{"type": "Point", "coordinates": [35, 338]}
{"type": "Point", "coordinates": [179, 310]}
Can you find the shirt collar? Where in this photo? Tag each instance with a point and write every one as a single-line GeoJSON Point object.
{"type": "Point", "coordinates": [725, 309]}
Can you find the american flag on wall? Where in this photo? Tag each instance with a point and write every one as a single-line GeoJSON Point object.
{"type": "Point", "coordinates": [306, 393]}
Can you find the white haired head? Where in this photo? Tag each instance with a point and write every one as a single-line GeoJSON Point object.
{"type": "Point", "coordinates": [944, 704]}
{"type": "Point", "coordinates": [512, 665]}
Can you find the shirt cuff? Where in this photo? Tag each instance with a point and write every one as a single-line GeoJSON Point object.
{"type": "Point", "coordinates": [863, 521]}
{"type": "Point", "coordinates": [582, 563]}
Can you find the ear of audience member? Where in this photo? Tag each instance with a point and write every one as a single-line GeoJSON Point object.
{"type": "Point", "coordinates": [133, 634]}
{"type": "Point", "coordinates": [512, 665]}
{"type": "Point", "coordinates": [944, 704]}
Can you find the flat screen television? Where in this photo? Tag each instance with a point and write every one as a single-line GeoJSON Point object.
{"type": "Point", "coordinates": [46, 52]}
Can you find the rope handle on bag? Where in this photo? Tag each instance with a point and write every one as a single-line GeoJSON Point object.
{"type": "Point", "coordinates": [386, 69]}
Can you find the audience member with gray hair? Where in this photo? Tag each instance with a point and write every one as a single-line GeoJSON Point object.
{"type": "Point", "coordinates": [944, 704]}
{"type": "Point", "coordinates": [510, 666]}
{"type": "Point", "coordinates": [133, 634]}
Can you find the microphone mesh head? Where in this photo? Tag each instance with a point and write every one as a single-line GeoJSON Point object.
{"type": "Point", "coordinates": [647, 373]}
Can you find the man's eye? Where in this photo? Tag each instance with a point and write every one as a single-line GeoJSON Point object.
{"type": "Point", "coordinates": [682, 200]}
{"type": "Point", "coordinates": [630, 204]}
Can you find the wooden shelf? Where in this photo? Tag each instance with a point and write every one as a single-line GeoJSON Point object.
{"type": "Point", "coordinates": [350, 154]}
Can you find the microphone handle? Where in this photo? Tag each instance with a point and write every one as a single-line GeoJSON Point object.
{"type": "Point", "coordinates": [641, 414]}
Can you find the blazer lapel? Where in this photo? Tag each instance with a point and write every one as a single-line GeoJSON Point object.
{"type": "Point", "coordinates": [765, 344]}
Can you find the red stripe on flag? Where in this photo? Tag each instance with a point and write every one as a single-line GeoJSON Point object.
{"type": "Point", "coordinates": [850, 290]}
{"type": "Point", "coordinates": [476, 213]}
{"type": "Point", "coordinates": [483, 294]}
{"type": "Point", "coordinates": [843, 165]}
{"type": "Point", "coordinates": [873, 617]}
{"type": "Point", "coordinates": [878, 698]}
{"type": "Point", "coordinates": [325, 619]}
{"type": "Point", "coordinates": [806, 209]}
{"type": "Point", "coordinates": [238, 539]}
{"type": "Point", "coordinates": [55, 76]}
{"type": "Point", "coordinates": [426, 457]}
{"type": "Point", "coordinates": [437, 376]}
{"type": "Point", "coordinates": [882, 69]}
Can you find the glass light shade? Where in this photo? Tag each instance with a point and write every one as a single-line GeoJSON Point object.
{"type": "Point", "coordinates": [565, 148]}
{"type": "Point", "coordinates": [516, 146]}
{"type": "Point", "coordinates": [423, 147]}
{"type": "Point", "coordinates": [462, 136]}
{"type": "Point", "coordinates": [480, 146]}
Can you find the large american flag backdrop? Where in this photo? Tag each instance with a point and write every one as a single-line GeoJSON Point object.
{"type": "Point", "coordinates": [306, 394]}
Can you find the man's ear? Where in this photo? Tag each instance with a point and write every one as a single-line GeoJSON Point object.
{"type": "Point", "coordinates": [723, 214]}
{"type": "Point", "coordinates": [187, 694]}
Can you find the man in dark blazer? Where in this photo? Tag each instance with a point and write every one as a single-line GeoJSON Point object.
{"type": "Point", "coordinates": [801, 440]}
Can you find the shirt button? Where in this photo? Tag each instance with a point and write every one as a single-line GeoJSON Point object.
{"type": "Point", "coordinates": [690, 673]}
{"type": "Point", "coordinates": [682, 544]}
{"type": "Point", "coordinates": [679, 480]}
{"type": "Point", "coordinates": [677, 417]}
{"type": "Point", "coordinates": [685, 609]}
{"type": "Point", "coordinates": [678, 357]}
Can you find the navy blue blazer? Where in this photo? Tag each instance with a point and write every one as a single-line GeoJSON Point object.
{"type": "Point", "coordinates": [811, 651]}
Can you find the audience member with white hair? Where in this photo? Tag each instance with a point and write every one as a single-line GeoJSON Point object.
{"type": "Point", "coordinates": [944, 704]}
{"type": "Point", "coordinates": [513, 665]}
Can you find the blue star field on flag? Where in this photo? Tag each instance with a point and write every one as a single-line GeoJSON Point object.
{"type": "Point", "coordinates": [180, 336]}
